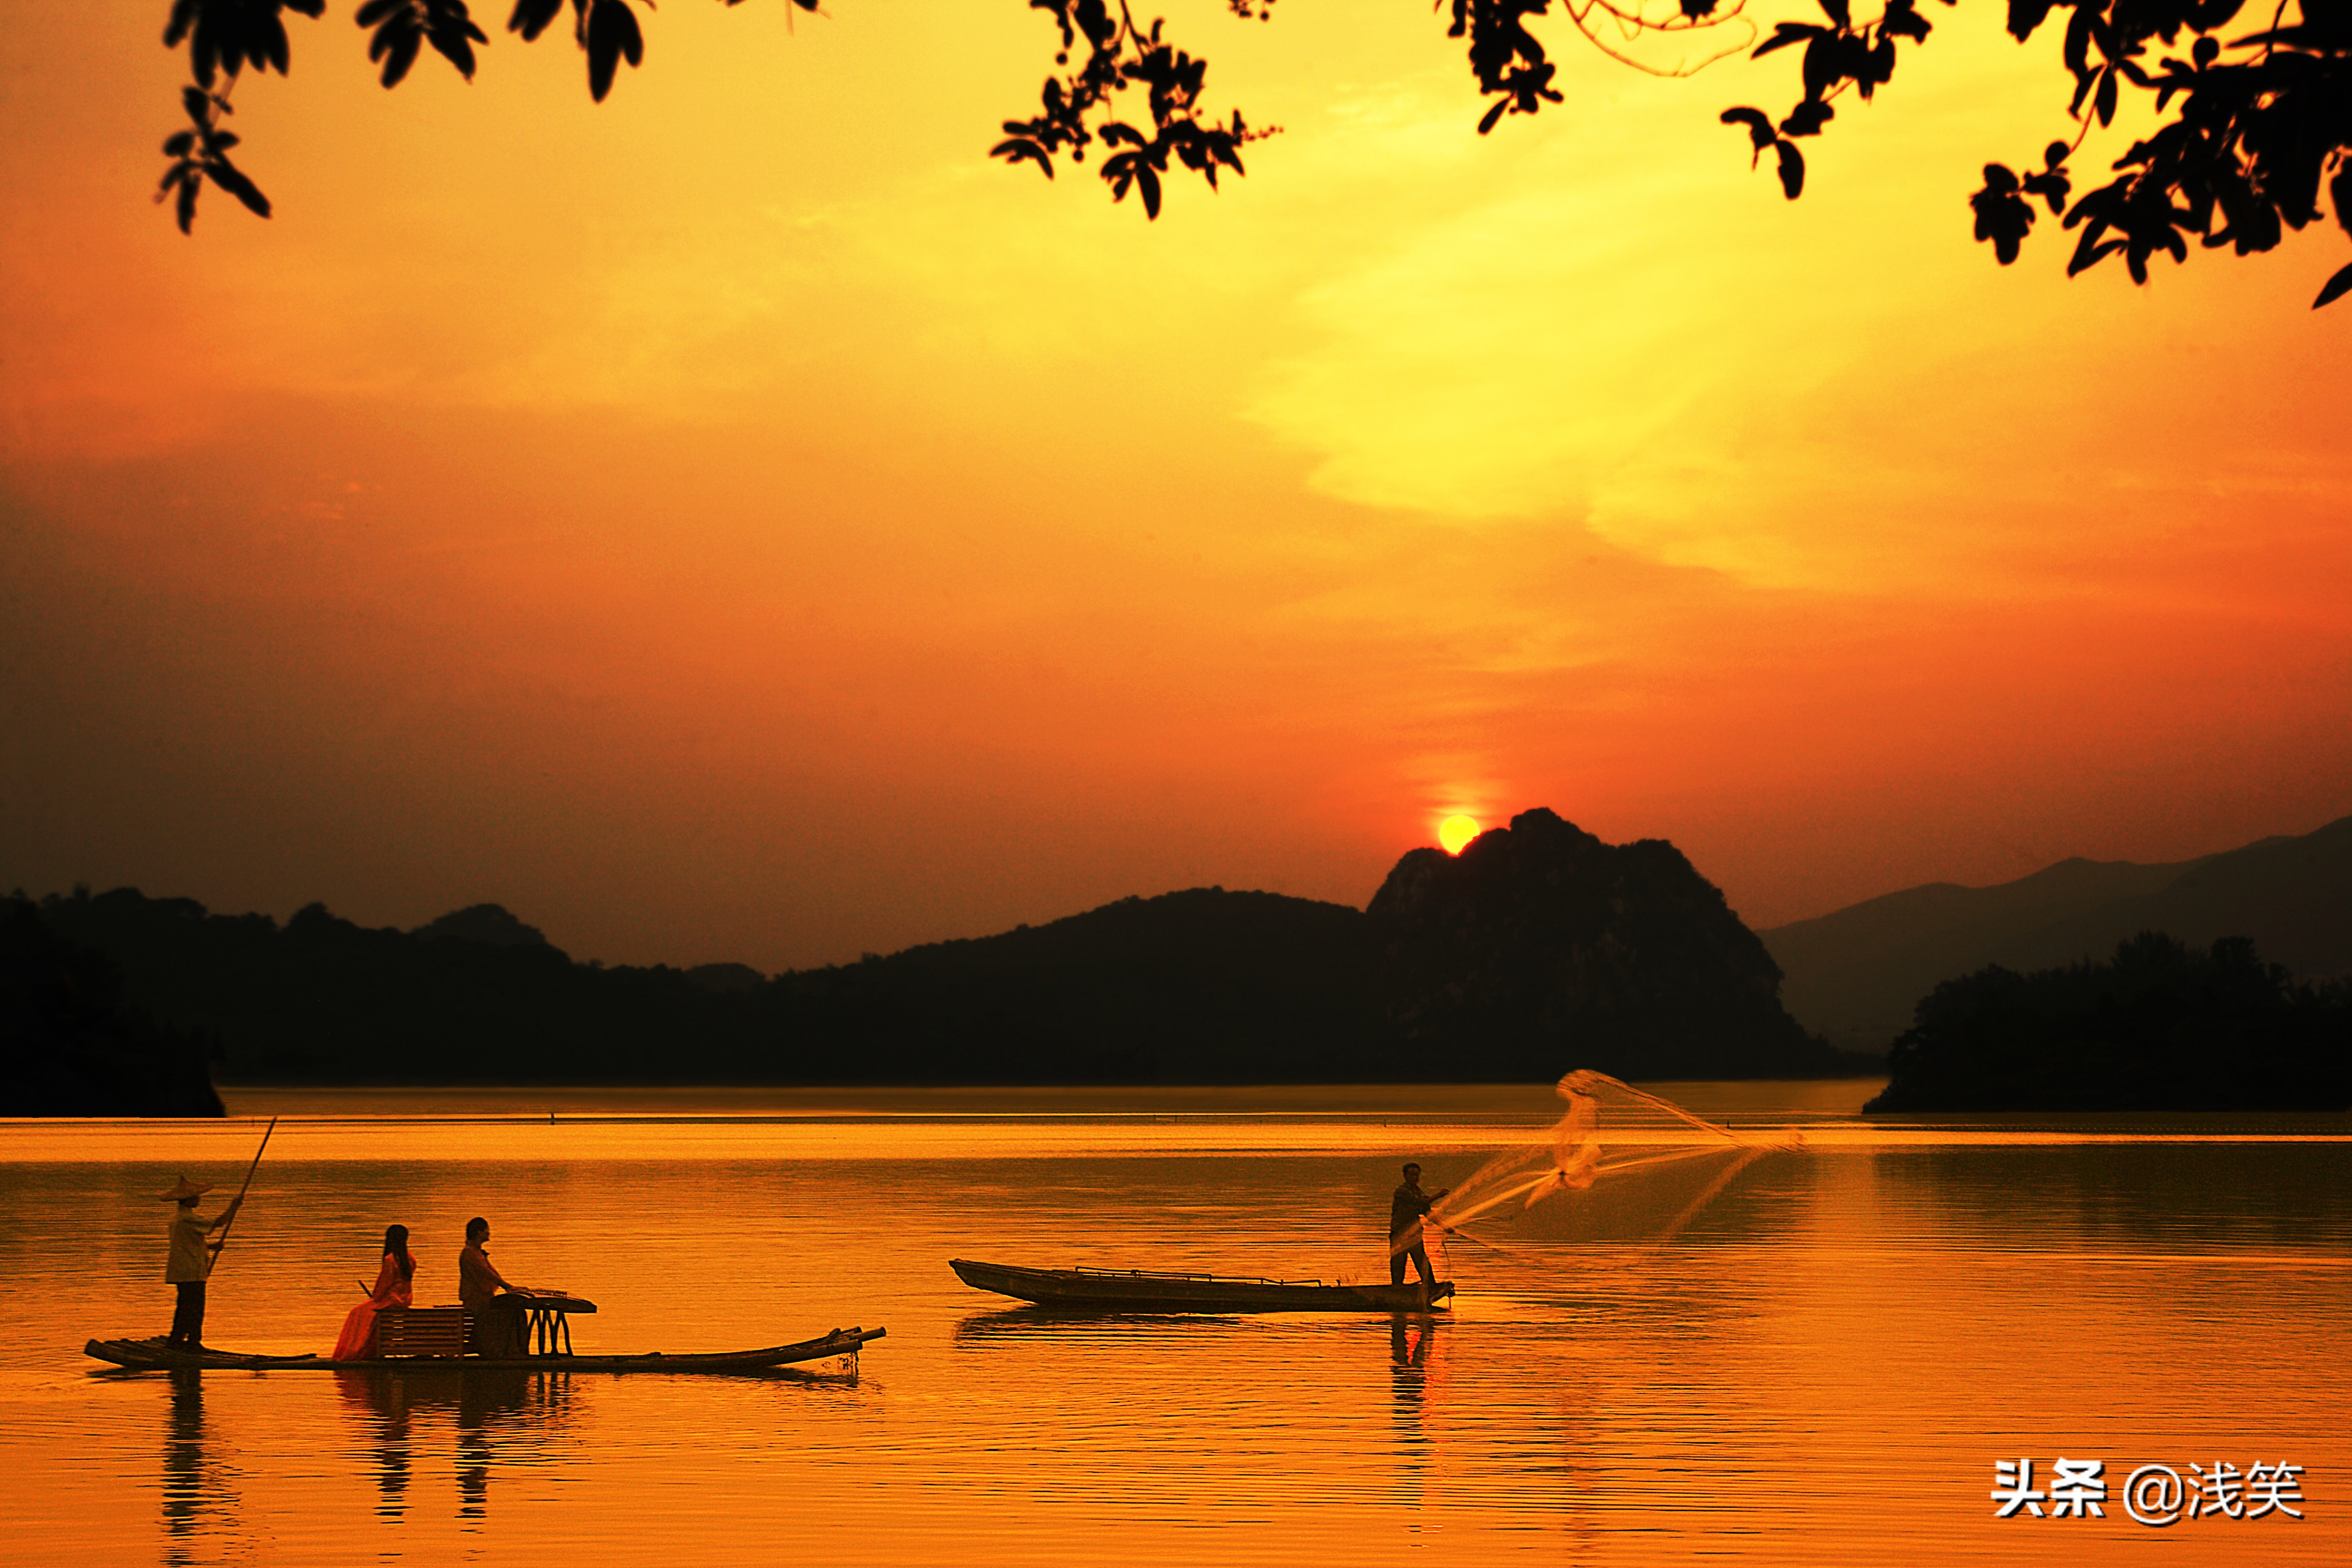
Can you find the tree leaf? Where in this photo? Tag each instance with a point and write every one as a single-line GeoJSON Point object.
{"type": "Point", "coordinates": [1792, 170]}
{"type": "Point", "coordinates": [1014, 149]}
{"type": "Point", "coordinates": [1807, 119]}
{"type": "Point", "coordinates": [613, 35]}
{"type": "Point", "coordinates": [1824, 64]}
{"type": "Point", "coordinates": [230, 178]}
{"type": "Point", "coordinates": [2337, 287]}
{"type": "Point", "coordinates": [531, 16]}
{"type": "Point", "coordinates": [1759, 129]}
{"type": "Point", "coordinates": [2024, 15]}
{"type": "Point", "coordinates": [1787, 33]}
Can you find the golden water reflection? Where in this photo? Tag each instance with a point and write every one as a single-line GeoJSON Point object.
{"type": "Point", "coordinates": [1819, 1368]}
{"type": "Point", "coordinates": [528, 1409]}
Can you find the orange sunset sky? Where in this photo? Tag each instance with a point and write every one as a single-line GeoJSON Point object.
{"type": "Point", "coordinates": [742, 521]}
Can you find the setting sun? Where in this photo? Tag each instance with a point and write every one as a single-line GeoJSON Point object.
{"type": "Point", "coordinates": [1457, 831]}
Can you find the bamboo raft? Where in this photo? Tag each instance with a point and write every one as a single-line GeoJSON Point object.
{"type": "Point", "coordinates": [154, 1355]}
{"type": "Point", "coordinates": [1142, 1290]}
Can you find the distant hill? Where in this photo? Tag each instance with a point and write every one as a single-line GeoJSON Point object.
{"type": "Point", "coordinates": [1540, 950]}
{"type": "Point", "coordinates": [1200, 987]}
{"type": "Point", "coordinates": [1203, 986]}
{"type": "Point", "coordinates": [1539, 944]}
{"type": "Point", "coordinates": [1857, 975]}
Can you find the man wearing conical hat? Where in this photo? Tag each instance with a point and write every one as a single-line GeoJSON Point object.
{"type": "Point", "coordinates": [191, 1262]}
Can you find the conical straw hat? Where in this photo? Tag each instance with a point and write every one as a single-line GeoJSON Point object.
{"type": "Point", "coordinates": [186, 1189]}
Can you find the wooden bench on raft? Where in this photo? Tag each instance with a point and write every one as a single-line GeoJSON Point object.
{"type": "Point", "coordinates": [420, 1330]}
{"type": "Point", "coordinates": [542, 1323]}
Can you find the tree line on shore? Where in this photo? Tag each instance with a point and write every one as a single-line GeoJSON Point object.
{"type": "Point", "coordinates": [71, 1045]}
{"type": "Point", "coordinates": [2160, 1026]}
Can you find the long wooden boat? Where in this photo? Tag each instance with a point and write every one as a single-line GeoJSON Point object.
{"type": "Point", "coordinates": [153, 1355]}
{"type": "Point", "coordinates": [1143, 1290]}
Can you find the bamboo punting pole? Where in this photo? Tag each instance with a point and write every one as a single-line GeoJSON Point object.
{"type": "Point", "coordinates": [214, 1259]}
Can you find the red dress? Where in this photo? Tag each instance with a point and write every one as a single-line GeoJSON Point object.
{"type": "Point", "coordinates": [357, 1342]}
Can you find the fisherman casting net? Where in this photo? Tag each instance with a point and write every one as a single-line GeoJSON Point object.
{"type": "Point", "coordinates": [1615, 1141]}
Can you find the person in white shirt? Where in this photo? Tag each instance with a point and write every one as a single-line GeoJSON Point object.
{"type": "Point", "coordinates": [191, 1260]}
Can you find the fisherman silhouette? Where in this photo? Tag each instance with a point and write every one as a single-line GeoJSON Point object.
{"type": "Point", "coordinates": [1406, 1207]}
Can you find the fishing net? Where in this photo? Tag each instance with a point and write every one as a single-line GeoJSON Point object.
{"type": "Point", "coordinates": [1614, 1136]}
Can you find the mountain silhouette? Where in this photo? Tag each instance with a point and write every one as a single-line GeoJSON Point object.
{"type": "Point", "coordinates": [1538, 950]}
{"type": "Point", "coordinates": [1201, 985]}
{"type": "Point", "coordinates": [1858, 974]}
{"type": "Point", "coordinates": [1541, 945]}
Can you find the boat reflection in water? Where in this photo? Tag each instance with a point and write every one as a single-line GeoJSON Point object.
{"type": "Point", "coordinates": [515, 1416]}
{"type": "Point", "coordinates": [1045, 1325]}
{"type": "Point", "coordinates": [194, 1487]}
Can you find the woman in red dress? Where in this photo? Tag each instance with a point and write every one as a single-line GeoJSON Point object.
{"type": "Point", "coordinates": [357, 1342]}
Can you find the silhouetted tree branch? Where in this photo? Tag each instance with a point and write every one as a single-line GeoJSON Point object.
{"type": "Point", "coordinates": [2249, 128]}
{"type": "Point", "coordinates": [1119, 55]}
{"type": "Point", "coordinates": [2260, 121]}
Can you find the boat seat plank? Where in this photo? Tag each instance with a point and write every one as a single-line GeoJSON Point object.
{"type": "Point", "coordinates": [420, 1330]}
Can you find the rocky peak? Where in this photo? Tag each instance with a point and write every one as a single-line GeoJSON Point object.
{"type": "Point", "coordinates": [1561, 949]}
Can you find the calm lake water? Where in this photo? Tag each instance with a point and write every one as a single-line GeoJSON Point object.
{"type": "Point", "coordinates": [1822, 1365]}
